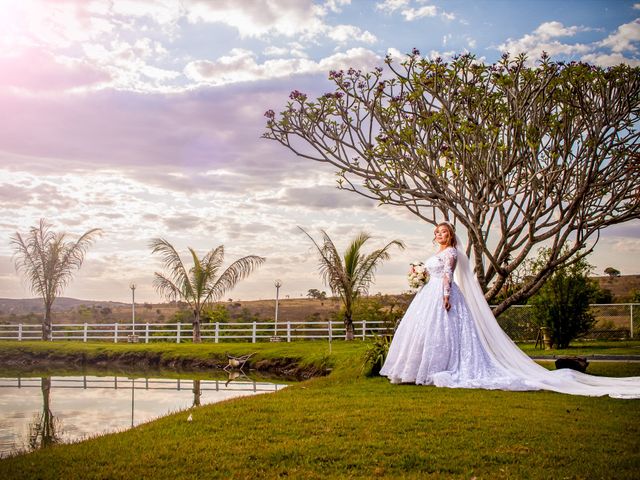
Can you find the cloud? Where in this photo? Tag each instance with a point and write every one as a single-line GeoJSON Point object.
{"type": "Point", "coordinates": [39, 71]}
{"type": "Point", "coordinates": [182, 221]}
{"type": "Point", "coordinates": [349, 33]}
{"type": "Point", "coordinates": [412, 11]}
{"type": "Point", "coordinates": [543, 40]}
{"type": "Point", "coordinates": [624, 38]}
{"type": "Point", "coordinates": [336, 5]}
{"type": "Point", "coordinates": [411, 14]}
{"type": "Point", "coordinates": [321, 197]}
{"type": "Point", "coordinates": [609, 60]}
{"type": "Point", "coordinates": [241, 65]}
{"type": "Point", "coordinates": [255, 18]}
{"type": "Point", "coordinates": [83, 46]}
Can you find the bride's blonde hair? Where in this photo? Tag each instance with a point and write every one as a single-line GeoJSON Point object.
{"type": "Point", "coordinates": [452, 233]}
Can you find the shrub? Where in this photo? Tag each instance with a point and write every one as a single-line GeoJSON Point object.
{"type": "Point", "coordinates": [562, 304]}
{"type": "Point", "coordinates": [376, 354]}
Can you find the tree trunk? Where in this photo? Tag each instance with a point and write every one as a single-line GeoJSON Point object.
{"type": "Point", "coordinates": [46, 324]}
{"type": "Point", "coordinates": [196, 327]}
{"type": "Point", "coordinates": [348, 326]}
{"type": "Point", "coordinates": [197, 393]}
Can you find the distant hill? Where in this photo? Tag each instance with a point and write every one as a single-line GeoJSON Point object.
{"type": "Point", "coordinates": [69, 310]}
{"type": "Point", "coordinates": [622, 287]}
{"type": "Point", "coordinates": [21, 306]}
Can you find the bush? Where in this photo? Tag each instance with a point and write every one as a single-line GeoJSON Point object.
{"type": "Point", "coordinates": [376, 354]}
{"type": "Point", "coordinates": [562, 304]}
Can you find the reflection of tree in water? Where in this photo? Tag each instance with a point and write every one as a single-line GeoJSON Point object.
{"type": "Point", "coordinates": [45, 429]}
{"type": "Point", "coordinates": [197, 393]}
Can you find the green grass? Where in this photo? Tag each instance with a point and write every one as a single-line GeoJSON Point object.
{"type": "Point", "coordinates": [591, 348]}
{"type": "Point", "coordinates": [345, 425]}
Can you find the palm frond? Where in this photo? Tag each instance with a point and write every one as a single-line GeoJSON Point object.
{"type": "Point", "coordinates": [212, 261]}
{"type": "Point", "coordinates": [166, 288]}
{"type": "Point", "coordinates": [330, 264]}
{"type": "Point", "coordinates": [173, 263]}
{"type": "Point", "coordinates": [365, 272]}
{"type": "Point", "coordinates": [235, 272]}
{"type": "Point", "coordinates": [28, 262]}
{"type": "Point", "coordinates": [69, 257]}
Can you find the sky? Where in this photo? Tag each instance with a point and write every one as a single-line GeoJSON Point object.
{"type": "Point", "coordinates": [144, 118]}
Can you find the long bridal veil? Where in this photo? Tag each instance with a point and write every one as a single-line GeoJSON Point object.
{"type": "Point", "coordinates": [507, 354]}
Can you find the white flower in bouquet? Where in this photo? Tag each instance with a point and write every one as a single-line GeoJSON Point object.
{"type": "Point", "coordinates": [418, 275]}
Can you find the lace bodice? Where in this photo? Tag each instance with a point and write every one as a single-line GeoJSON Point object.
{"type": "Point", "coordinates": [442, 265]}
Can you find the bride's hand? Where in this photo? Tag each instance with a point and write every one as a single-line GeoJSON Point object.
{"type": "Point", "coordinates": [447, 305]}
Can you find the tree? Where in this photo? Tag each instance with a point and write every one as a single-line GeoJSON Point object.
{"type": "Point", "coordinates": [48, 262]}
{"type": "Point", "coordinates": [217, 313]}
{"type": "Point", "coordinates": [203, 283]}
{"type": "Point", "coordinates": [317, 294]}
{"type": "Point", "coordinates": [612, 272]}
{"type": "Point", "coordinates": [350, 275]}
{"type": "Point", "coordinates": [518, 157]}
{"type": "Point", "coordinates": [562, 304]}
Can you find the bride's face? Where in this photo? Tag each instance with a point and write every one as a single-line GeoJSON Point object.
{"type": "Point", "coordinates": [443, 237]}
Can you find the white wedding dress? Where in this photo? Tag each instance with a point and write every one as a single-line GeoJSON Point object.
{"type": "Point", "coordinates": [466, 348]}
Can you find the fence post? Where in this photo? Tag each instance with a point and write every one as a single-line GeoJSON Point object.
{"type": "Point", "coordinates": [178, 334]}
{"type": "Point", "coordinates": [364, 329]}
{"type": "Point", "coordinates": [216, 334]}
{"type": "Point", "coordinates": [20, 332]}
{"type": "Point", "coordinates": [84, 333]}
{"type": "Point", "coordinates": [631, 322]}
{"type": "Point", "coordinates": [253, 333]}
{"type": "Point", "coordinates": [115, 333]}
{"type": "Point", "coordinates": [288, 330]}
{"type": "Point", "coordinates": [146, 332]}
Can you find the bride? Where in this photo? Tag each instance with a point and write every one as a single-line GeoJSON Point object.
{"type": "Point", "coordinates": [449, 338]}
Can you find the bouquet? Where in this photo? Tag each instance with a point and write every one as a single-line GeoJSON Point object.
{"type": "Point", "coordinates": [418, 275]}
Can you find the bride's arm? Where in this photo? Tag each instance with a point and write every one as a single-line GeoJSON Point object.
{"type": "Point", "coordinates": [450, 261]}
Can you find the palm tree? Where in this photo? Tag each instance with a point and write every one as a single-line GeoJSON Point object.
{"type": "Point", "coordinates": [202, 283]}
{"type": "Point", "coordinates": [349, 276]}
{"type": "Point", "coordinates": [48, 260]}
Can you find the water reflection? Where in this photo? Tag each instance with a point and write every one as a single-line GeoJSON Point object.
{"type": "Point", "coordinates": [37, 412]}
{"type": "Point", "coordinates": [45, 429]}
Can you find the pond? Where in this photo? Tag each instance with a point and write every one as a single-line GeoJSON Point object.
{"type": "Point", "coordinates": [39, 411]}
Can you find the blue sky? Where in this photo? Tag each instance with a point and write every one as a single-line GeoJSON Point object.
{"type": "Point", "coordinates": [143, 118]}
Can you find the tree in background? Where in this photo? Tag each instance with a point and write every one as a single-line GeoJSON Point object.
{"type": "Point", "coordinates": [317, 294]}
{"type": "Point", "coordinates": [518, 156]}
{"type": "Point", "coordinates": [218, 313]}
{"type": "Point", "coordinates": [562, 304]}
{"type": "Point", "coordinates": [350, 275]}
{"type": "Point", "coordinates": [48, 262]}
{"type": "Point", "coordinates": [204, 282]}
{"type": "Point", "coordinates": [612, 272]}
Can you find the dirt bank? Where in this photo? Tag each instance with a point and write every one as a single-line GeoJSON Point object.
{"type": "Point", "coordinates": [30, 359]}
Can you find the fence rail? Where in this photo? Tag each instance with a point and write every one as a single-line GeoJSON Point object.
{"type": "Point", "coordinates": [123, 383]}
{"type": "Point", "coordinates": [620, 320]}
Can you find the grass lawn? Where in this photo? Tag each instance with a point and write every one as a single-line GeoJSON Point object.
{"type": "Point", "coordinates": [346, 425]}
{"type": "Point", "coordinates": [587, 349]}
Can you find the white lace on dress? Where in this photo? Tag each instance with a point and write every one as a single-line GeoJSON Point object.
{"type": "Point", "coordinates": [449, 259]}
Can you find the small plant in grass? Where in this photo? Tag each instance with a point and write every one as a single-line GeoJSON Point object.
{"type": "Point", "coordinates": [376, 354]}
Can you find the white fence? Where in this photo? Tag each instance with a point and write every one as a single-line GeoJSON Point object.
{"type": "Point", "coordinates": [126, 383]}
{"type": "Point", "coordinates": [183, 332]}
{"type": "Point", "coordinates": [620, 320]}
